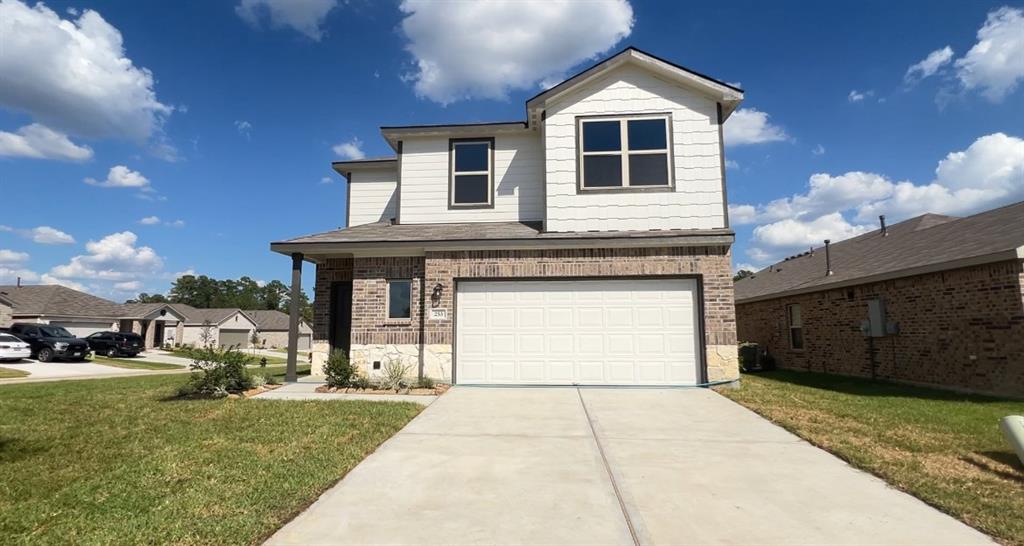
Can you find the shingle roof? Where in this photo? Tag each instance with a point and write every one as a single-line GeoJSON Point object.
{"type": "Point", "coordinates": [269, 321]}
{"type": "Point", "coordinates": [385, 232]}
{"type": "Point", "coordinates": [194, 315]}
{"type": "Point", "coordinates": [56, 300]}
{"type": "Point", "coordinates": [139, 310]}
{"type": "Point", "coordinates": [930, 242]}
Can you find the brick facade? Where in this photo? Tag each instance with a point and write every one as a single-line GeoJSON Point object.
{"type": "Point", "coordinates": [961, 329]}
{"type": "Point", "coordinates": [371, 328]}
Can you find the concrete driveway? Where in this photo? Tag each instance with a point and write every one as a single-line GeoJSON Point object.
{"type": "Point", "coordinates": [609, 466]}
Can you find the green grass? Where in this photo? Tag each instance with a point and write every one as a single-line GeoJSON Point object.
{"type": "Point", "coordinates": [942, 447]}
{"type": "Point", "coordinates": [135, 364]}
{"type": "Point", "coordinates": [117, 461]}
{"type": "Point", "coordinates": [7, 373]}
{"type": "Point", "coordinates": [271, 360]}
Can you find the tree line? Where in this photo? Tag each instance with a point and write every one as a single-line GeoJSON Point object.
{"type": "Point", "coordinates": [208, 293]}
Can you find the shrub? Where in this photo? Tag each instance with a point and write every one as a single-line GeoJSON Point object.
{"type": "Point", "coordinates": [338, 370]}
{"type": "Point", "coordinates": [220, 372]}
{"type": "Point", "coordinates": [393, 376]}
{"type": "Point", "coordinates": [360, 382]}
{"type": "Point", "coordinates": [425, 383]}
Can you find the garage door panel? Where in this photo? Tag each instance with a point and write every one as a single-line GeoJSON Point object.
{"type": "Point", "coordinates": [639, 331]}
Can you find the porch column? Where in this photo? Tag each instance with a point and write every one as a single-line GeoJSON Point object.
{"type": "Point", "coordinates": [291, 374]}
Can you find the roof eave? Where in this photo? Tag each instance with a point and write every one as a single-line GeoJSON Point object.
{"type": "Point", "coordinates": [456, 130]}
{"type": "Point", "coordinates": [1002, 256]}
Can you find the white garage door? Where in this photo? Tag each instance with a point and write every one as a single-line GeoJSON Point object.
{"type": "Point", "coordinates": [305, 342]}
{"type": "Point", "coordinates": [82, 329]}
{"type": "Point", "coordinates": [602, 332]}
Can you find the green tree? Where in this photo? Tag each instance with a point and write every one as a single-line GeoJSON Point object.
{"type": "Point", "coordinates": [244, 293]}
{"type": "Point", "coordinates": [149, 298]}
{"type": "Point", "coordinates": [742, 274]}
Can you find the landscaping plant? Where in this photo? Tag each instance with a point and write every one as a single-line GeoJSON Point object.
{"type": "Point", "coordinates": [219, 372]}
{"type": "Point", "coordinates": [338, 371]}
{"type": "Point", "coordinates": [393, 376]}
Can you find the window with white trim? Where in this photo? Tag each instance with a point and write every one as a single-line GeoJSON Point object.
{"type": "Point", "coordinates": [796, 326]}
{"type": "Point", "coordinates": [472, 173]}
{"type": "Point", "coordinates": [625, 152]}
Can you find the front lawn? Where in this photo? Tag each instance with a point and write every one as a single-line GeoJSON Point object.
{"type": "Point", "coordinates": [114, 461]}
{"type": "Point", "coordinates": [8, 373]}
{"type": "Point", "coordinates": [942, 447]}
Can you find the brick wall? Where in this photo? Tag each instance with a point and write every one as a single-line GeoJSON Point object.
{"type": "Point", "coordinates": [5, 315]}
{"type": "Point", "coordinates": [960, 329]}
{"type": "Point", "coordinates": [371, 327]}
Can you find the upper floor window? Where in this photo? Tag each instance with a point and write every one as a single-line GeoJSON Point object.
{"type": "Point", "coordinates": [625, 152]}
{"type": "Point", "coordinates": [471, 183]}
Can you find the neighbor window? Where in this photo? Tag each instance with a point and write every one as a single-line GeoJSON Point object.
{"type": "Point", "coordinates": [796, 326]}
{"type": "Point", "coordinates": [628, 152]}
{"type": "Point", "coordinates": [472, 173]}
{"type": "Point", "coordinates": [399, 299]}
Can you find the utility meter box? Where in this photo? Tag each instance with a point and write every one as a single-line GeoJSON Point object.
{"type": "Point", "coordinates": [877, 321]}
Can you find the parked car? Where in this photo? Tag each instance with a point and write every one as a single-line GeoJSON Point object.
{"type": "Point", "coordinates": [115, 343]}
{"type": "Point", "coordinates": [50, 342]}
{"type": "Point", "coordinates": [13, 349]}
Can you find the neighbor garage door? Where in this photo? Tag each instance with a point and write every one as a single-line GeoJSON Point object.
{"type": "Point", "coordinates": [305, 341]}
{"type": "Point", "coordinates": [234, 338]}
{"type": "Point", "coordinates": [562, 332]}
{"type": "Point", "coordinates": [82, 329]}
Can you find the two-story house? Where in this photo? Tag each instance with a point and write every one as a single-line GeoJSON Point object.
{"type": "Point", "coordinates": [588, 244]}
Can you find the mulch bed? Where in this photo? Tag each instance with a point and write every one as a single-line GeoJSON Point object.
{"type": "Point", "coordinates": [436, 391]}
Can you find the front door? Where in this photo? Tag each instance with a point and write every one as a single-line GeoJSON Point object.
{"type": "Point", "coordinates": [341, 316]}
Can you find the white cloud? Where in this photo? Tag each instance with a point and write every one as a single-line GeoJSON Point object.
{"type": "Point", "coordinates": [989, 173]}
{"type": "Point", "coordinates": [47, 235]}
{"type": "Point", "coordinates": [818, 150]}
{"type": "Point", "coordinates": [731, 164]}
{"type": "Point", "coordinates": [751, 126]}
{"type": "Point", "coordinates": [857, 96]}
{"type": "Point", "coordinates": [40, 142]}
{"type": "Point", "coordinates": [929, 65]}
{"type": "Point", "coordinates": [114, 258]}
{"type": "Point", "coordinates": [326, 180]}
{"type": "Point", "coordinates": [995, 65]}
{"type": "Point", "coordinates": [50, 279]}
{"type": "Point", "coordinates": [487, 49]}
{"type": "Point", "coordinates": [177, 223]}
{"type": "Point", "coordinates": [744, 266]}
{"type": "Point", "coordinates": [121, 177]}
{"type": "Point", "coordinates": [10, 275]}
{"type": "Point", "coordinates": [304, 16]}
{"type": "Point", "coordinates": [150, 220]}
{"type": "Point", "coordinates": [73, 75]}
{"type": "Point", "coordinates": [352, 149]}
{"type": "Point", "coordinates": [128, 286]}
{"type": "Point", "coordinates": [9, 257]}
{"type": "Point", "coordinates": [244, 128]}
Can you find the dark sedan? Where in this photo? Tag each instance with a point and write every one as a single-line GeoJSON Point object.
{"type": "Point", "coordinates": [115, 343]}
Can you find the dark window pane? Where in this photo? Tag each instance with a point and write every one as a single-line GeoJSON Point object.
{"type": "Point", "coordinates": [399, 296]}
{"type": "Point", "coordinates": [470, 189]}
{"type": "Point", "coordinates": [602, 171]}
{"type": "Point", "coordinates": [647, 134]}
{"type": "Point", "coordinates": [648, 170]}
{"type": "Point", "coordinates": [601, 136]}
{"type": "Point", "coordinates": [796, 337]}
{"type": "Point", "coordinates": [471, 157]}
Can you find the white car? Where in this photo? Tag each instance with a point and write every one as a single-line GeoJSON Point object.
{"type": "Point", "coordinates": [13, 349]}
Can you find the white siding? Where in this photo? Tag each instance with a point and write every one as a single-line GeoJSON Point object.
{"type": "Point", "coordinates": [696, 203]}
{"type": "Point", "coordinates": [518, 179]}
{"type": "Point", "coordinates": [373, 197]}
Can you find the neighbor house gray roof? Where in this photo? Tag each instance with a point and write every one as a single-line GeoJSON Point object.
{"type": "Point", "coordinates": [387, 234]}
{"type": "Point", "coordinates": [140, 310]}
{"type": "Point", "coordinates": [924, 244]}
{"type": "Point", "coordinates": [194, 315]}
{"type": "Point", "coordinates": [56, 300]}
{"type": "Point", "coordinates": [269, 320]}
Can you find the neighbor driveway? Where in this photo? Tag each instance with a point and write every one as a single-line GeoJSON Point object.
{"type": "Point", "coordinates": [609, 466]}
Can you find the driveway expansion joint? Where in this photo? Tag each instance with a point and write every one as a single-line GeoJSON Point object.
{"type": "Point", "coordinates": [608, 469]}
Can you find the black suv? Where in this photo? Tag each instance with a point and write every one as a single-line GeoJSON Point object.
{"type": "Point", "coordinates": [115, 343]}
{"type": "Point", "coordinates": [51, 342]}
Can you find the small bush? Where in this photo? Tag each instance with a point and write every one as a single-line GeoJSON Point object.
{"type": "Point", "coordinates": [393, 376]}
{"type": "Point", "coordinates": [258, 380]}
{"type": "Point", "coordinates": [338, 370]}
{"type": "Point", "coordinates": [220, 372]}
{"type": "Point", "coordinates": [425, 383]}
{"type": "Point", "coordinates": [360, 382]}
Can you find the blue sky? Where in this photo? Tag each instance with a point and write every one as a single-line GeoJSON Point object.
{"type": "Point", "coordinates": [141, 140]}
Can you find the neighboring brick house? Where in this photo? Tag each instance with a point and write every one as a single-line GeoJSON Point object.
{"type": "Point", "coordinates": [933, 300]}
{"type": "Point", "coordinates": [589, 244]}
{"type": "Point", "coordinates": [6, 310]}
{"type": "Point", "coordinates": [272, 329]}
